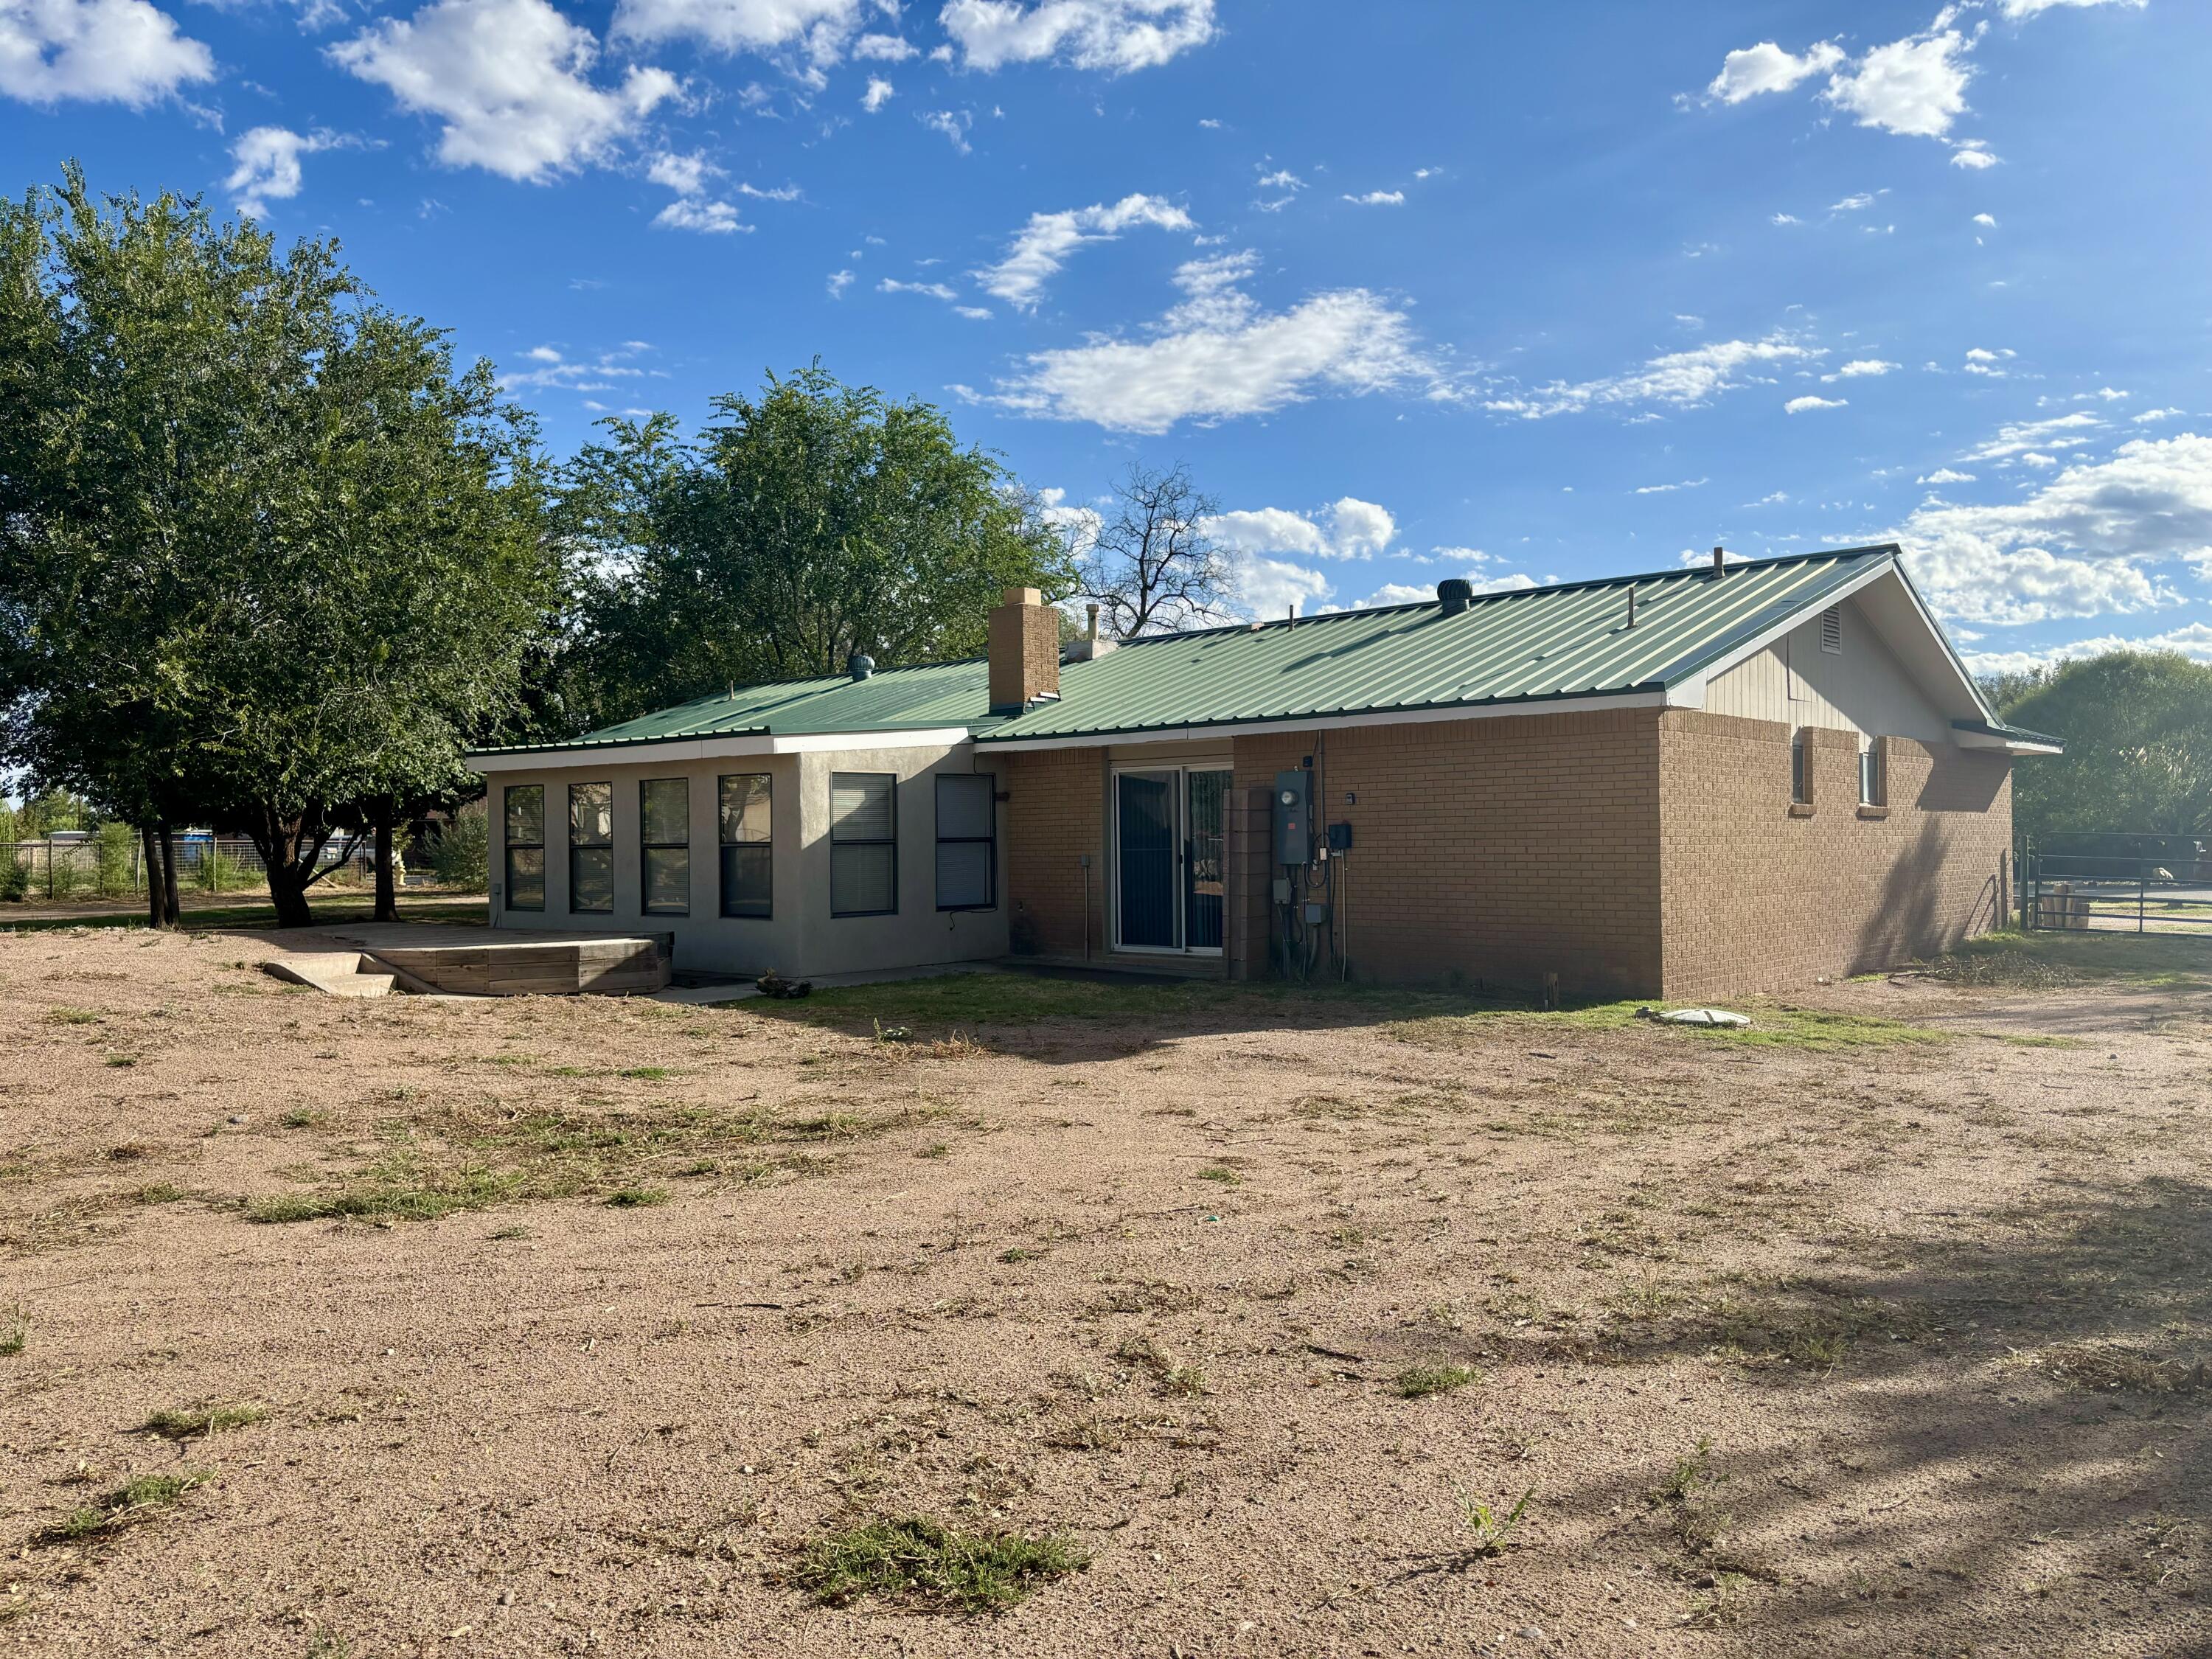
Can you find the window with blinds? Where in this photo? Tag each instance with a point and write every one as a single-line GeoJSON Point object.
{"type": "Point", "coordinates": [525, 847]}
{"type": "Point", "coordinates": [863, 843]}
{"type": "Point", "coordinates": [665, 846]}
{"type": "Point", "coordinates": [592, 848]}
{"type": "Point", "coordinates": [967, 842]}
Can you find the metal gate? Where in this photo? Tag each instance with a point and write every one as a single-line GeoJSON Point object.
{"type": "Point", "coordinates": [2116, 882]}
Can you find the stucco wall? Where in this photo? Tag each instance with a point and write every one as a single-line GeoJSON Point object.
{"type": "Point", "coordinates": [1758, 897]}
{"type": "Point", "coordinates": [800, 938]}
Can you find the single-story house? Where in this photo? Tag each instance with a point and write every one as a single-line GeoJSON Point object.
{"type": "Point", "coordinates": [1678, 785]}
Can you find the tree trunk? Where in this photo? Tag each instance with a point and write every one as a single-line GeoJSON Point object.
{"type": "Point", "coordinates": [287, 891]}
{"type": "Point", "coordinates": [387, 898]}
{"type": "Point", "coordinates": [171, 917]}
{"type": "Point", "coordinates": [156, 914]}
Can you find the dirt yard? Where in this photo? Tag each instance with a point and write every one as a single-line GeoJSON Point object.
{"type": "Point", "coordinates": [1098, 1320]}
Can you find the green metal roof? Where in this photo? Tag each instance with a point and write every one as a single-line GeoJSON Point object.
{"type": "Point", "coordinates": [930, 695]}
{"type": "Point", "coordinates": [1528, 646]}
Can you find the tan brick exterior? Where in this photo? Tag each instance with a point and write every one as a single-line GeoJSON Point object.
{"type": "Point", "coordinates": [1754, 898]}
{"type": "Point", "coordinates": [1055, 815]}
{"type": "Point", "coordinates": [1633, 852]}
{"type": "Point", "coordinates": [1025, 650]}
{"type": "Point", "coordinates": [1496, 850]}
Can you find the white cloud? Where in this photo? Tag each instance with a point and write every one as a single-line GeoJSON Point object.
{"type": "Point", "coordinates": [695, 207]}
{"type": "Point", "coordinates": [1116, 36]}
{"type": "Point", "coordinates": [1079, 525]}
{"type": "Point", "coordinates": [1269, 587]}
{"type": "Point", "coordinates": [973, 314]}
{"type": "Point", "coordinates": [2150, 414]}
{"type": "Point", "coordinates": [1670, 489]}
{"type": "Point", "coordinates": [1351, 529]}
{"type": "Point", "coordinates": [1861, 366]}
{"type": "Point", "coordinates": [508, 78]}
{"type": "Point", "coordinates": [953, 124]}
{"type": "Point", "coordinates": [1041, 247]}
{"type": "Point", "coordinates": [839, 281]}
{"type": "Point", "coordinates": [1987, 220]}
{"type": "Point", "coordinates": [1852, 203]}
{"type": "Point", "coordinates": [1766, 67]}
{"type": "Point", "coordinates": [266, 166]}
{"type": "Point", "coordinates": [2191, 640]}
{"type": "Point", "coordinates": [1281, 179]}
{"type": "Point", "coordinates": [1800, 405]}
{"type": "Point", "coordinates": [555, 371]}
{"type": "Point", "coordinates": [1379, 198]}
{"type": "Point", "coordinates": [1945, 475]}
{"type": "Point", "coordinates": [1973, 155]}
{"type": "Point", "coordinates": [934, 290]}
{"type": "Point", "coordinates": [1787, 219]}
{"type": "Point", "coordinates": [820, 28]}
{"type": "Point", "coordinates": [2030, 8]}
{"type": "Point", "coordinates": [884, 48]}
{"type": "Point", "coordinates": [118, 51]}
{"type": "Point", "coordinates": [2017, 438]}
{"type": "Point", "coordinates": [1218, 354]}
{"type": "Point", "coordinates": [878, 94]}
{"type": "Point", "coordinates": [1916, 86]}
{"type": "Point", "coordinates": [2080, 544]}
{"type": "Point", "coordinates": [1679, 379]}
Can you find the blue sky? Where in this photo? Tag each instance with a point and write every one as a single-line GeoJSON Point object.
{"type": "Point", "coordinates": [1416, 289]}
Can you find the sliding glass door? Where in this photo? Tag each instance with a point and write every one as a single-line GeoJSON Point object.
{"type": "Point", "coordinates": [1169, 855]}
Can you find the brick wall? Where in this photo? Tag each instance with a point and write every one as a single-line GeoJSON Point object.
{"type": "Point", "coordinates": [1498, 849]}
{"type": "Point", "coordinates": [1757, 898]}
{"type": "Point", "coordinates": [1055, 813]}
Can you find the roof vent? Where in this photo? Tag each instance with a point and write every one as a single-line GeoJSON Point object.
{"type": "Point", "coordinates": [1453, 595]}
{"type": "Point", "coordinates": [860, 664]}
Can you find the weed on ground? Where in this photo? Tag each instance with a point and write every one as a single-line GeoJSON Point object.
{"type": "Point", "coordinates": [925, 1563]}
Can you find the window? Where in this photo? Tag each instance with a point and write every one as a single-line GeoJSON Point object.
{"type": "Point", "coordinates": [748, 866]}
{"type": "Point", "coordinates": [592, 848]}
{"type": "Point", "coordinates": [1874, 772]}
{"type": "Point", "coordinates": [525, 847]}
{"type": "Point", "coordinates": [1801, 771]}
{"type": "Point", "coordinates": [664, 834]}
{"type": "Point", "coordinates": [863, 843]}
{"type": "Point", "coordinates": [1831, 630]}
{"type": "Point", "coordinates": [967, 847]}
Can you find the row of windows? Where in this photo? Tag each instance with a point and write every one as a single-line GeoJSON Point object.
{"type": "Point", "coordinates": [1874, 779]}
{"type": "Point", "coordinates": [863, 845]}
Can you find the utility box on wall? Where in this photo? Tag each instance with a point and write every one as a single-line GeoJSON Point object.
{"type": "Point", "coordinates": [1293, 817]}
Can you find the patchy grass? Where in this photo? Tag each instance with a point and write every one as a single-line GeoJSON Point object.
{"type": "Point", "coordinates": [636, 1198]}
{"type": "Point", "coordinates": [1227, 1177]}
{"type": "Point", "coordinates": [71, 1017]}
{"type": "Point", "coordinates": [190, 1422]}
{"type": "Point", "coordinates": [1774, 1025]}
{"type": "Point", "coordinates": [2123, 1367]}
{"type": "Point", "coordinates": [14, 1329]}
{"type": "Point", "coordinates": [1418, 1381]}
{"type": "Point", "coordinates": [402, 1187]}
{"type": "Point", "coordinates": [139, 1500]}
{"type": "Point", "coordinates": [923, 1563]}
{"type": "Point", "coordinates": [1488, 1531]}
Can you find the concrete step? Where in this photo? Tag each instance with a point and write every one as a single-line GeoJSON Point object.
{"type": "Point", "coordinates": [334, 973]}
{"type": "Point", "coordinates": [361, 985]}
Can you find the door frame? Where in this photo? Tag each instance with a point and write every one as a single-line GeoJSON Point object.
{"type": "Point", "coordinates": [1180, 770]}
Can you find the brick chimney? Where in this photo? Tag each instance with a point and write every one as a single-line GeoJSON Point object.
{"type": "Point", "coordinates": [1024, 651]}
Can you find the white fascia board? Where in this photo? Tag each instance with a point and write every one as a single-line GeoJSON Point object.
{"type": "Point", "coordinates": [1988, 740]}
{"type": "Point", "coordinates": [678, 749]}
{"type": "Point", "coordinates": [1324, 722]}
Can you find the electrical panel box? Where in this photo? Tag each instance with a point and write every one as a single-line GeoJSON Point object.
{"type": "Point", "coordinates": [1293, 817]}
{"type": "Point", "coordinates": [1340, 838]}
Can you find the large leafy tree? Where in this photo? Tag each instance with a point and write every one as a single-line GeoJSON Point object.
{"type": "Point", "coordinates": [802, 524]}
{"type": "Point", "coordinates": [2138, 732]}
{"type": "Point", "coordinates": [268, 556]}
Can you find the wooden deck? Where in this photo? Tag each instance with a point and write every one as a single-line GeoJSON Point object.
{"type": "Point", "coordinates": [510, 961]}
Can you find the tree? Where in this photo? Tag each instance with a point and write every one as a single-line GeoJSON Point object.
{"type": "Point", "coordinates": [1151, 566]}
{"type": "Point", "coordinates": [269, 557]}
{"type": "Point", "coordinates": [806, 524]}
{"type": "Point", "coordinates": [2138, 732]}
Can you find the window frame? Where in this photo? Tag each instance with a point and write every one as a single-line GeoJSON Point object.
{"type": "Point", "coordinates": [1873, 771]}
{"type": "Point", "coordinates": [765, 848]}
{"type": "Point", "coordinates": [837, 840]}
{"type": "Point", "coordinates": [1801, 767]}
{"type": "Point", "coordinates": [647, 848]}
{"type": "Point", "coordinates": [990, 782]}
{"type": "Point", "coordinates": [509, 846]}
{"type": "Point", "coordinates": [605, 847]}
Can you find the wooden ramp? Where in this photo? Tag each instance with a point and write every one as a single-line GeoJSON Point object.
{"type": "Point", "coordinates": [509, 961]}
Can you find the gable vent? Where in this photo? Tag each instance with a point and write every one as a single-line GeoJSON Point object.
{"type": "Point", "coordinates": [1832, 629]}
